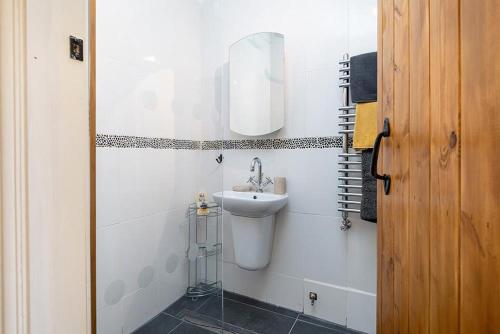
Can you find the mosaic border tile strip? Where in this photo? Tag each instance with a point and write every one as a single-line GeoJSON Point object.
{"type": "Point", "coordinates": [273, 143]}
{"type": "Point", "coordinates": [146, 142]}
{"type": "Point", "coordinates": [103, 140]}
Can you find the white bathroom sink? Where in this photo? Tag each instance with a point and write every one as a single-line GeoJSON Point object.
{"type": "Point", "coordinates": [252, 221]}
{"type": "Point", "coordinates": [250, 204]}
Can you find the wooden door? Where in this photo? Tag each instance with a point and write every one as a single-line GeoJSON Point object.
{"type": "Point", "coordinates": [439, 234]}
{"type": "Point", "coordinates": [480, 166]}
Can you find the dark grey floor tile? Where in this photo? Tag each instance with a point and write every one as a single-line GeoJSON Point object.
{"type": "Point", "coordinates": [184, 304]}
{"type": "Point", "coordinates": [324, 323]}
{"type": "Point", "coordinates": [186, 328]}
{"type": "Point", "coordinates": [301, 327]}
{"type": "Point", "coordinates": [210, 323]}
{"type": "Point", "coordinates": [161, 324]}
{"type": "Point", "coordinates": [248, 317]}
{"type": "Point", "coordinates": [257, 303]}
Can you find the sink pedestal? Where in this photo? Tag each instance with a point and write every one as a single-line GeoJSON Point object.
{"type": "Point", "coordinates": [253, 241]}
{"type": "Point", "coordinates": [252, 220]}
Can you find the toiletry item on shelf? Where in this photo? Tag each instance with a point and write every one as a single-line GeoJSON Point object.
{"type": "Point", "coordinates": [280, 185]}
{"type": "Point", "coordinates": [243, 188]}
{"type": "Point", "coordinates": [201, 197]}
{"type": "Point", "coordinates": [201, 204]}
{"type": "Point", "coordinates": [203, 210]}
{"type": "Point", "coordinates": [365, 126]}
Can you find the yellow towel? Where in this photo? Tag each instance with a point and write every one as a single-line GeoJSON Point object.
{"type": "Point", "coordinates": [365, 126]}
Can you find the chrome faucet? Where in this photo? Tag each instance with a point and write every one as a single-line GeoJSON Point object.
{"type": "Point", "coordinates": [257, 181]}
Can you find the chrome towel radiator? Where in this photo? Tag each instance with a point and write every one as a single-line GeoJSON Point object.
{"type": "Point", "coordinates": [349, 172]}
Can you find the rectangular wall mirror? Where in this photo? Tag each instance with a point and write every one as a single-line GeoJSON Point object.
{"type": "Point", "coordinates": [257, 89]}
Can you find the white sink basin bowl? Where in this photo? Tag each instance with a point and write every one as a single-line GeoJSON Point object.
{"type": "Point", "coordinates": [250, 204]}
{"type": "Point", "coordinates": [252, 221]}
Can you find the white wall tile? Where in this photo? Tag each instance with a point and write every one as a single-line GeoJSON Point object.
{"type": "Point", "coordinates": [323, 98]}
{"type": "Point", "coordinates": [311, 180]}
{"type": "Point", "coordinates": [186, 177]}
{"type": "Point", "coordinates": [139, 307]}
{"type": "Point", "coordinates": [325, 250]}
{"type": "Point", "coordinates": [157, 180]}
{"type": "Point", "coordinates": [107, 186]}
{"type": "Point", "coordinates": [289, 245]}
{"type": "Point", "coordinates": [331, 303]}
{"type": "Point", "coordinates": [108, 266]}
{"type": "Point", "coordinates": [253, 284]}
{"type": "Point", "coordinates": [228, 249]}
{"type": "Point", "coordinates": [132, 183]}
{"type": "Point", "coordinates": [132, 188]}
{"type": "Point", "coordinates": [285, 291]}
{"type": "Point", "coordinates": [362, 26]}
{"type": "Point", "coordinates": [264, 285]}
{"type": "Point", "coordinates": [110, 319]}
{"type": "Point", "coordinates": [149, 79]}
{"type": "Point", "coordinates": [171, 287]}
{"type": "Point", "coordinates": [310, 246]}
{"type": "Point", "coordinates": [228, 277]}
{"type": "Point", "coordinates": [171, 249]}
{"type": "Point", "coordinates": [125, 249]}
{"type": "Point", "coordinates": [140, 241]}
{"type": "Point", "coordinates": [211, 173]}
{"type": "Point", "coordinates": [296, 106]}
{"type": "Point", "coordinates": [362, 256]}
{"type": "Point", "coordinates": [361, 311]}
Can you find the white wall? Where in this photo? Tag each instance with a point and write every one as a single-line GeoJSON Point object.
{"type": "Point", "coordinates": [148, 84]}
{"type": "Point", "coordinates": [310, 252]}
{"type": "Point", "coordinates": [58, 176]}
{"type": "Point", "coordinates": [149, 68]}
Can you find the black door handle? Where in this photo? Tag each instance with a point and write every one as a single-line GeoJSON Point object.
{"type": "Point", "coordinates": [386, 132]}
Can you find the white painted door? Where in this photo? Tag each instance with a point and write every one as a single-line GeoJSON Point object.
{"type": "Point", "coordinates": [45, 168]}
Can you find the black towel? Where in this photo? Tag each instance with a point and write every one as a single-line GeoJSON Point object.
{"type": "Point", "coordinates": [368, 188]}
{"type": "Point", "coordinates": [363, 78]}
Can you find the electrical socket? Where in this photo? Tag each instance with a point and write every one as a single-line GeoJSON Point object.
{"type": "Point", "coordinates": [313, 296]}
